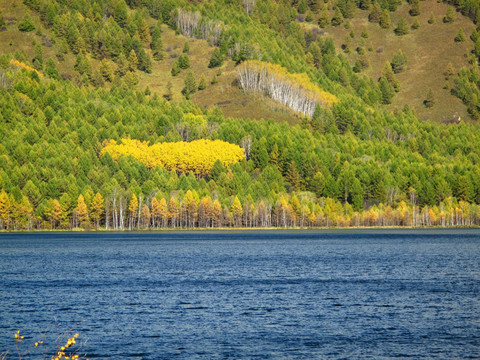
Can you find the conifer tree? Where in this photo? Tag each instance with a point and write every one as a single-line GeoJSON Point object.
{"type": "Point", "coordinates": [203, 83]}
{"type": "Point", "coordinates": [324, 18]}
{"type": "Point", "coordinates": [460, 36]}
{"type": "Point", "coordinates": [190, 86]}
{"type": "Point", "coordinates": [449, 15]}
{"type": "Point", "coordinates": [375, 13]}
{"type": "Point", "coordinates": [26, 25]}
{"type": "Point", "coordinates": [414, 7]}
{"type": "Point", "coordinates": [385, 19]}
{"type": "Point", "coordinates": [337, 18]}
{"type": "Point", "coordinates": [431, 19]}
{"type": "Point", "coordinates": [429, 99]}
{"type": "Point", "coordinates": [402, 27]}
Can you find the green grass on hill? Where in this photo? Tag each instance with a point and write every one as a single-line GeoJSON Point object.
{"type": "Point", "coordinates": [429, 49]}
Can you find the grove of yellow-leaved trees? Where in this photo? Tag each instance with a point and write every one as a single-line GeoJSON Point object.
{"type": "Point", "coordinates": [196, 156]}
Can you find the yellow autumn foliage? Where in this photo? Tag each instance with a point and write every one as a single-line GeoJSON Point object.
{"type": "Point", "coordinates": [197, 156]}
{"type": "Point", "coordinates": [294, 90]}
{"type": "Point", "coordinates": [24, 66]}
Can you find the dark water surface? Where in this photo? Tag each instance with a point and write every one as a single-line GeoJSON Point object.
{"type": "Point", "coordinates": [255, 295]}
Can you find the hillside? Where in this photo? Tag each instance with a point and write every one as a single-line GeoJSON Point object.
{"type": "Point", "coordinates": [92, 93]}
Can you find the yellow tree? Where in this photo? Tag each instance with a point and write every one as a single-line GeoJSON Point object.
{"type": "Point", "coordinates": [132, 211]}
{"type": "Point", "coordinates": [237, 211]}
{"type": "Point", "coordinates": [54, 212]}
{"type": "Point", "coordinates": [25, 210]}
{"type": "Point", "coordinates": [5, 209]}
{"type": "Point", "coordinates": [217, 213]}
{"type": "Point", "coordinates": [82, 211]}
{"type": "Point", "coordinates": [205, 212]}
{"type": "Point", "coordinates": [97, 209]}
{"type": "Point", "coordinates": [173, 211]}
{"type": "Point", "coordinates": [146, 216]}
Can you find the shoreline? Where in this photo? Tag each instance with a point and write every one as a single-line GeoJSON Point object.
{"type": "Point", "coordinates": [408, 229]}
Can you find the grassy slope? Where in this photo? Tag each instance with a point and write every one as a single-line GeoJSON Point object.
{"type": "Point", "coordinates": [429, 49]}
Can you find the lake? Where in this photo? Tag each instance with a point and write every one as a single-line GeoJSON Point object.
{"type": "Point", "coordinates": [245, 295]}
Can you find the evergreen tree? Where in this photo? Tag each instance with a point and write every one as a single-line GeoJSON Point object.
{"type": "Point", "coordinates": [449, 15]}
{"type": "Point", "coordinates": [169, 94]}
{"type": "Point", "coordinates": [375, 13]}
{"type": "Point", "coordinates": [190, 86]}
{"type": "Point", "coordinates": [460, 36]}
{"type": "Point", "coordinates": [26, 25]}
{"type": "Point", "coordinates": [216, 59]}
{"type": "Point", "coordinates": [203, 83]}
{"type": "Point", "coordinates": [337, 18]}
{"type": "Point", "coordinates": [402, 27]}
{"type": "Point", "coordinates": [324, 18]}
{"type": "Point", "coordinates": [385, 19]}
{"type": "Point", "coordinates": [429, 99]}
{"type": "Point", "coordinates": [38, 59]}
{"type": "Point", "coordinates": [431, 19]}
{"type": "Point", "coordinates": [399, 61]}
{"type": "Point", "coordinates": [414, 7]}
{"type": "Point", "coordinates": [184, 61]}
{"type": "Point", "coordinates": [186, 48]}
{"type": "Point", "coordinates": [415, 24]}
{"type": "Point", "coordinates": [386, 90]}
{"type": "Point", "coordinates": [175, 69]}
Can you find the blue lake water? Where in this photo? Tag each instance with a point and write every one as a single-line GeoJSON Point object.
{"type": "Point", "coordinates": [254, 295]}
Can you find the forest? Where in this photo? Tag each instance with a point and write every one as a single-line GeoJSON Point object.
{"type": "Point", "coordinates": [87, 147]}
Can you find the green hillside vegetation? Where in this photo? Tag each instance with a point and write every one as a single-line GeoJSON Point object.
{"type": "Point", "coordinates": [167, 72]}
{"type": "Point", "coordinates": [429, 50]}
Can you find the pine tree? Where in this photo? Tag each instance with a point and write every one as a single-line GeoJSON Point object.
{"type": "Point", "coordinates": [203, 83]}
{"type": "Point", "coordinates": [82, 211]}
{"type": "Point", "coordinates": [449, 16]}
{"type": "Point", "coordinates": [175, 69]}
{"type": "Point", "coordinates": [184, 61]}
{"type": "Point", "coordinates": [337, 18]}
{"type": "Point", "coordinates": [237, 211]}
{"type": "Point", "coordinates": [97, 209]}
{"type": "Point", "coordinates": [375, 13]}
{"type": "Point", "coordinates": [38, 59]}
{"type": "Point", "coordinates": [386, 90]}
{"type": "Point", "coordinates": [385, 19]}
{"type": "Point", "coordinates": [402, 27]}
{"type": "Point", "coordinates": [415, 24]}
{"type": "Point", "coordinates": [169, 94]}
{"type": "Point", "coordinates": [186, 48]}
{"type": "Point", "coordinates": [399, 61]}
{"type": "Point", "coordinates": [429, 99]}
{"type": "Point", "coordinates": [190, 85]}
{"type": "Point", "coordinates": [460, 36]}
{"type": "Point", "coordinates": [414, 7]}
{"type": "Point", "coordinates": [324, 18]}
{"type": "Point", "coordinates": [431, 19]}
{"type": "Point", "coordinates": [26, 25]}
{"type": "Point", "coordinates": [132, 61]}
{"type": "Point", "coordinates": [216, 59]}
